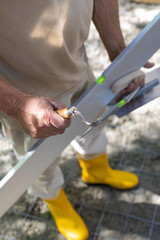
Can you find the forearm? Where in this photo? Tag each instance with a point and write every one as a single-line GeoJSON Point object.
{"type": "Point", "coordinates": [9, 96]}
{"type": "Point", "coordinates": [106, 20]}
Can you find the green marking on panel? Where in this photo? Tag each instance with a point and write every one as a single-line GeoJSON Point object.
{"type": "Point", "coordinates": [121, 103]}
{"type": "Point", "coordinates": [100, 80]}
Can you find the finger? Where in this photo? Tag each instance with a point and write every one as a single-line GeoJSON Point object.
{"type": "Point", "coordinates": [45, 132]}
{"type": "Point", "coordinates": [139, 81]}
{"type": "Point", "coordinates": [52, 131]}
{"type": "Point", "coordinates": [56, 105]}
{"type": "Point", "coordinates": [149, 65]}
{"type": "Point", "coordinates": [58, 121]}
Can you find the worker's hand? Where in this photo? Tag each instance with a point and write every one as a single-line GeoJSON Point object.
{"type": "Point", "coordinates": [136, 82]}
{"type": "Point", "coordinates": [38, 117]}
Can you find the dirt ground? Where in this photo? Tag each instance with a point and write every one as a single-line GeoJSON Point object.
{"type": "Point", "coordinates": [133, 145]}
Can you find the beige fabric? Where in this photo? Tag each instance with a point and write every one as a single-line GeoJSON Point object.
{"type": "Point", "coordinates": [41, 46]}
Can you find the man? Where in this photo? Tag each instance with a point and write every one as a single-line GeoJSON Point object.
{"type": "Point", "coordinates": [43, 65]}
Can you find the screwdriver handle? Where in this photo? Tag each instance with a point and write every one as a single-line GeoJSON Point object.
{"type": "Point", "coordinates": [66, 112]}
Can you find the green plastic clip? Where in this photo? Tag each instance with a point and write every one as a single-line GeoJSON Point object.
{"type": "Point", "coordinates": [121, 103]}
{"type": "Point", "coordinates": [100, 80]}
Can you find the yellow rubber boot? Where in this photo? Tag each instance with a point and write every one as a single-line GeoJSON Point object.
{"type": "Point", "coordinates": [98, 171]}
{"type": "Point", "coordinates": [68, 222]}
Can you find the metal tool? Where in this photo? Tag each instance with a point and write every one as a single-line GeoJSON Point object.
{"type": "Point", "coordinates": [111, 111]}
{"type": "Point", "coordinates": [72, 112]}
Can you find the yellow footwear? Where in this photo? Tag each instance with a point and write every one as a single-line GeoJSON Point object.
{"type": "Point", "coordinates": [68, 222]}
{"type": "Point", "coordinates": [98, 171]}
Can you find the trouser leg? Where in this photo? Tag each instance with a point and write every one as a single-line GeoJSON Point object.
{"type": "Point", "coordinates": [90, 146]}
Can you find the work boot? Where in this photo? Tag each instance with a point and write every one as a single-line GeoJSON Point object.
{"type": "Point", "coordinates": [68, 222]}
{"type": "Point", "coordinates": [98, 171]}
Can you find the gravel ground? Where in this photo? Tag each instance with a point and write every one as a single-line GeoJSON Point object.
{"type": "Point", "coordinates": [133, 146]}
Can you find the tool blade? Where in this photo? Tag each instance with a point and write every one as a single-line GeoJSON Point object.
{"type": "Point", "coordinates": [86, 132]}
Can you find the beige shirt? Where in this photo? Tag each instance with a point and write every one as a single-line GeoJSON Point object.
{"type": "Point", "coordinates": [42, 45]}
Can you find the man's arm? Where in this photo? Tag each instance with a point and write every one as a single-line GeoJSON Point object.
{"type": "Point", "coordinates": [106, 20]}
{"type": "Point", "coordinates": [9, 98]}
{"type": "Point", "coordinates": [37, 116]}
